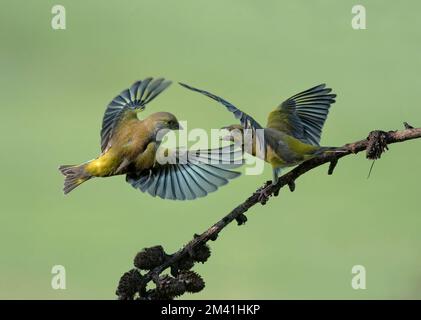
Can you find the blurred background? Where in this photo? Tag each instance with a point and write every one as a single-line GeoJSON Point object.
{"type": "Point", "coordinates": [55, 85]}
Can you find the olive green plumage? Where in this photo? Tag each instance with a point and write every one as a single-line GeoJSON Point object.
{"type": "Point", "coordinates": [129, 146]}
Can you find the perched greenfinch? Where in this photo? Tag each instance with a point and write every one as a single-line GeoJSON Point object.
{"type": "Point", "coordinates": [293, 129]}
{"type": "Point", "coordinates": [129, 146]}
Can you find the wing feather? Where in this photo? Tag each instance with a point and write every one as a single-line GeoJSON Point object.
{"type": "Point", "coordinates": [304, 114]}
{"type": "Point", "coordinates": [192, 178]}
{"type": "Point", "coordinates": [246, 121]}
{"type": "Point", "coordinates": [125, 105]}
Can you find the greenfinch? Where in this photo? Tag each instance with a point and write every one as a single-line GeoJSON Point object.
{"type": "Point", "coordinates": [293, 130]}
{"type": "Point", "coordinates": [129, 147]}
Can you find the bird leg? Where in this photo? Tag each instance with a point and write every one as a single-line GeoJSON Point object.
{"type": "Point", "coordinates": [266, 191]}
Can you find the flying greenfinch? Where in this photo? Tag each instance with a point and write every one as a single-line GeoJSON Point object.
{"type": "Point", "coordinates": [293, 130]}
{"type": "Point", "coordinates": [129, 146]}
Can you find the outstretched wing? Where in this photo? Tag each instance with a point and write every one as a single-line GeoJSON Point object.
{"type": "Point", "coordinates": [304, 114]}
{"type": "Point", "coordinates": [127, 103]}
{"type": "Point", "coordinates": [188, 175]}
{"type": "Point", "coordinates": [246, 121]}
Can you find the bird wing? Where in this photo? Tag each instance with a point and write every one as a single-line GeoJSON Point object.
{"type": "Point", "coordinates": [304, 114]}
{"type": "Point", "coordinates": [127, 103]}
{"type": "Point", "coordinates": [246, 121]}
{"type": "Point", "coordinates": [188, 174]}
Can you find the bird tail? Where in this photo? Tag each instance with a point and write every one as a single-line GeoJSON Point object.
{"type": "Point", "coordinates": [74, 176]}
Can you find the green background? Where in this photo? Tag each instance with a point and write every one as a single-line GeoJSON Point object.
{"type": "Point", "coordinates": [55, 85]}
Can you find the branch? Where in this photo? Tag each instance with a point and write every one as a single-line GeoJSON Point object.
{"type": "Point", "coordinates": [133, 284]}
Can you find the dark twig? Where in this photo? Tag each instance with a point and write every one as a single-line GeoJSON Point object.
{"type": "Point", "coordinates": [332, 166]}
{"type": "Point", "coordinates": [133, 284]}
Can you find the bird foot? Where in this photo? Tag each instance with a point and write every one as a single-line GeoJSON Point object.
{"type": "Point", "coordinates": [264, 193]}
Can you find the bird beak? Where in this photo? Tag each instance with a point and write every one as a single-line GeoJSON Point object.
{"type": "Point", "coordinates": [179, 127]}
{"type": "Point", "coordinates": [140, 109]}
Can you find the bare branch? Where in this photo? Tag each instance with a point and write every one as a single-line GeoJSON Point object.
{"type": "Point", "coordinates": [133, 283]}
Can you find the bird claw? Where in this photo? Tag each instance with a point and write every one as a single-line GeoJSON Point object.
{"type": "Point", "coordinates": [264, 195]}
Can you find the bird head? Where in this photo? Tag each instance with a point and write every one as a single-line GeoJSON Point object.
{"type": "Point", "coordinates": [163, 121]}
{"type": "Point", "coordinates": [236, 132]}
